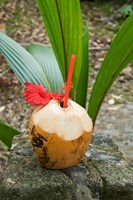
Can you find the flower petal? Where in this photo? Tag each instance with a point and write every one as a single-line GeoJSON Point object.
{"type": "Point", "coordinates": [37, 95]}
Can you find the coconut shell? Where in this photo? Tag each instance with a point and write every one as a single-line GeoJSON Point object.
{"type": "Point", "coordinates": [55, 152]}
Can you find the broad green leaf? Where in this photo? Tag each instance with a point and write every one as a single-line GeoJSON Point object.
{"type": "Point", "coordinates": [81, 92]}
{"type": "Point", "coordinates": [46, 59]}
{"type": "Point", "coordinates": [63, 22]}
{"type": "Point", "coordinates": [7, 133]}
{"type": "Point", "coordinates": [50, 15]}
{"type": "Point", "coordinates": [117, 58]}
{"type": "Point", "coordinates": [22, 62]}
{"type": "Point", "coordinates": [71, 26]}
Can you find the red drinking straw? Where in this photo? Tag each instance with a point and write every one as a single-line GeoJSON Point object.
{"type": "Point", "coordinates": [69, 79]}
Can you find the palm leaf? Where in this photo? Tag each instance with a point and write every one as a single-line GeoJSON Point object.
{"type": "Point", "coordinates": [117, 58]}
{"type": "Point", "coordinates": [46, 59]}
{"type": "Point", "coordinates": [81, 92]}
{"type": "Point", "coordinates": [49, 12]}
{"type": "Point", "coordinates": [21, 62]}
{"type": "Point", "coordinates": [63, 22]}
{"type": "Point", "coordinates": [7, 133]}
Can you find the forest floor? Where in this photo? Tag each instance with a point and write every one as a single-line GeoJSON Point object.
{"type": "Point", "coordinates": [21, 20]}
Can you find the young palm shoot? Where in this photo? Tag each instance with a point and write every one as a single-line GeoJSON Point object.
{"type": "Point", "coordinates": [60, 129]}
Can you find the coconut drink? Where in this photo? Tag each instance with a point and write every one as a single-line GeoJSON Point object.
{"type": "Point", "coordinates": [60, 129]}
{"type": "Point", "coordinates": [60, 136]}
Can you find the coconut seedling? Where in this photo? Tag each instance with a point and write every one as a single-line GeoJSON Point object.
{"type": "Point", "coordinates": [60, 128]}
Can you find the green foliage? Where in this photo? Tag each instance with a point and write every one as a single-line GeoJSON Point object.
{"type": "Point", "coordinates": [22, 63]}
{"type": "Point", "coordinates": [7, 133]}
{"type": "Point", "coordinates": [46, 59]}
{"type": "Point", "coordinates": [126, 10]}
{"type": "Point", "coordinates": [49, 12]}
{"type": "Point", "coordinates": [26, 67]}
{"type": "Point", "coordinates": [81, 92]}
{"type": "Point", "coordinates": [64, 28]}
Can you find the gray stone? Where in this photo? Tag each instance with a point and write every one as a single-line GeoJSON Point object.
{"type": "Point", "coordinates": [103, 174]}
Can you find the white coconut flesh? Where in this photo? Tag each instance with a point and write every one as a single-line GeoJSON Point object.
{"type": "Point", "coordinates": [68, 123]}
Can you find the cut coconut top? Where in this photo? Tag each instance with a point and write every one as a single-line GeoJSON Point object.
{"type": "Point", "coordinates": [68, 123]}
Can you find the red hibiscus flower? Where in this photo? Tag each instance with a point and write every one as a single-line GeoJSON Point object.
{"type": "Point", "coordinates": [37, 95]}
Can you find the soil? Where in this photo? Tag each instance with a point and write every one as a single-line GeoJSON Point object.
{"type": "Point", "coordinates": [21, 20]}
